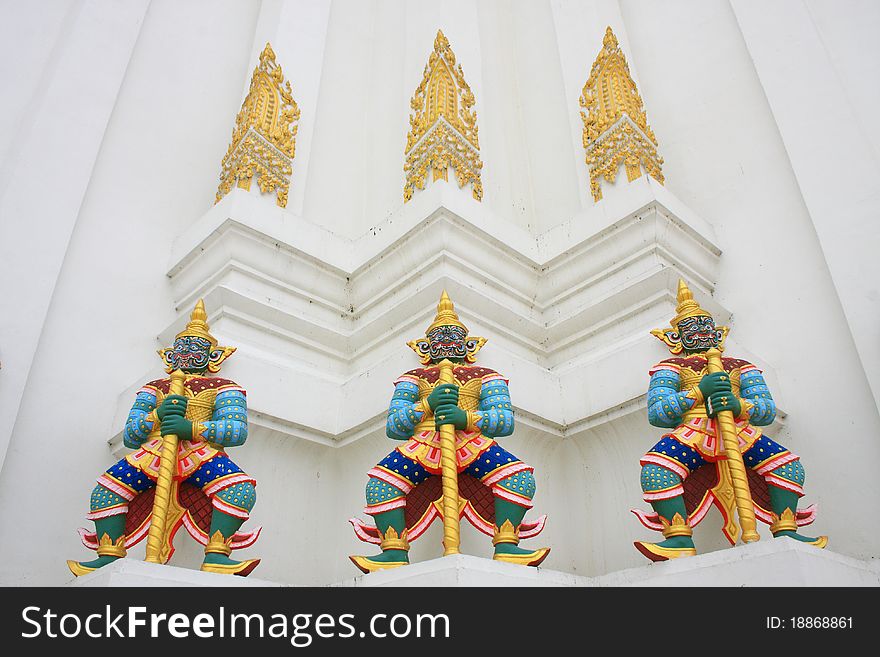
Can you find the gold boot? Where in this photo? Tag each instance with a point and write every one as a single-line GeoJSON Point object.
{"type": "Point", "coordinates": [391, 541]}
{"type": "Point", "coordinates": [106, 548]}
{"type": "Point", "coordinates": [506, 533]}
{"type": "Point", "coordinates": [220, 545]}
{"type": "Point", "coordinates": [78, 569]}
{"type": "Point", "coordinates": [656, 552]}
{"type": "Point", "coordinates": [787, 523]}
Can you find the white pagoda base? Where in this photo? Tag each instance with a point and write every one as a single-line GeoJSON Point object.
{"type": "Point", "coordinates": [137, 573]}
{"type": "Point", "coordinates": [779, 562]}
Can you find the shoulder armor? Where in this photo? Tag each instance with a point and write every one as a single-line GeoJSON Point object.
{"type": "Point", "coordinates": [465, 373]}
{"type": "Point", "coordinates": [731, 364]}
{"type": "Point", "coordinates": [162, 385]}
{"type": "Point", "coordinates": [211, 383]}
{"type": "Point", "coordinates": [431, 375]}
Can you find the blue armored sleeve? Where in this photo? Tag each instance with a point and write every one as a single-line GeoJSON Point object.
{"type": "Point", "coordinates": [495, 417]}
{"type": "Point", "coordinates": [403, 416]}
{"type": "Point", "coordinates": [754, 390]}
{"type": "Point", "coordinates": [228, 426]}
{"type": "Point", "coordinates": [667, 404]}
{"type": "Point", "coordinates": [141, 418]}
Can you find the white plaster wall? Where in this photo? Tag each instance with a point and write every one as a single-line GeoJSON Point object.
{"type": "Point", "coordinates": [51, 136]}
{"type": "Point", "coordinates": [26, 49]}
{"type": "Point", "coordinates": [819, 72]}
{"type": "Point", "coordinates": [155, 173]}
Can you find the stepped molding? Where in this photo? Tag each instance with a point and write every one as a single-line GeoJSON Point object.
{"type": "Point", "coordinates": [565, 311]}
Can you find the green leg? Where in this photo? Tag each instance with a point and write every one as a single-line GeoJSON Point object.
{"type": "Point", "coordinates": [780, 500]}
{"type": "Point", "coordinates": [113, 526]}
{"type": "Point", "coordinates": [506, 510]}
{"type": "Point", "coordinates": [508, 517]}
{"type": "Point", "coordinates": [667, 509]}
{"type": "Point", "coordinates": [223, 527]}
{"type": "Point", "coordinates": [393, 555]}
{"type": "Point", "coordinates": [227, 525]}
{"type": "Point", "coordinates": [673, 547]}
{"type": "Point", "coordinates": [395, 518]}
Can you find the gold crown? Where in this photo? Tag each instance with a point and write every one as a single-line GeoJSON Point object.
{"type": "Point", "coordinates": [198, 325]}
{"type": "Point", "coordinates": [687, 307]}
{"type": "Point", "coordinates": [446, 315]}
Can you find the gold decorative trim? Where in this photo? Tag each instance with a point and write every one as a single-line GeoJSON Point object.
{"type": "Point", "coordinates": [506, 533]}
{"type": "Point", "coordinates": [78, 569]}
{"type": "Point", "coordinates": [264, 137]}
{"type": "Point", "coordinates": [218, 544]}
{"type": "Point", "coordinates": [658, 553]}
{"type": "Point", "coordinates": [678, 527]}
{"type": "Point", "coordinates": [108, 548]}
{"type": "Point", "coordinates": [616, 129]}
{"type": "Point", "coordinates": [784, 523]}
{"type": "Point", "coordinates": [725, 499]}
{"type": "Point", "coordinates": [533, 558]}
{"type": "Point", "coordinates": [242, 568]}
{"type": "Point", "coordinates": [367, 565]}
{"type": "Point", "coordinates": [393, 541]}
{"type": "Point", "coordinates": [443, 126]}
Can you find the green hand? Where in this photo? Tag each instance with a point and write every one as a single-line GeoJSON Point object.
{"type": "Point", "coordinates": [445, 393]}
{"type": "Point", "coordinates": [722, 401]}
{"type": "Point", "coordinates": [715, 382]}
{"type": "Point", "coordinates": [450, 414]}
{"type": "Point", "coordinates": [177, 425]}
{"type": "Point", "coordinates": [172, 405]}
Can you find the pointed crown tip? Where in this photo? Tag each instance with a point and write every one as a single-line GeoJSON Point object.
{"type": "Point", "coordinates": [610, 40]}
{"type": "Point", "coordinates": [446, 315]}
{"type": "Point", "coordinates": [440, 41]}
{"type": "Point", "coordinates": [684, 292]}
{"type": "Point", "coordinates": [687, 306]}
{"type": "Point", "coordinates": [198, 324]}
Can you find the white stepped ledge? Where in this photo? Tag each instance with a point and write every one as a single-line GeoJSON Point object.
{"type": "Point", "coordinates": [137, 573]}
{"type": "Point", "coordinates": [272, 272]}
{"type": "Point", "coordinates": [325, 319]}
{"type": "Point", "coordinates": [778, 562]}
{"type": "Point", "coordinates": [775, 563]}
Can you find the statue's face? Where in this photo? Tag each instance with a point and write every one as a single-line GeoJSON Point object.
{"type": "Point", "coordinates": [698, 333]}
{"type": "Point", "coordinates": [447, 342]}
{"type": "Point", "coordinates": [190, 354]}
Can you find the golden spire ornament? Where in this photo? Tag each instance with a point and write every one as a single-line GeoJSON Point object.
{"type": "Point", "coordinates": [616, 129]}
{"type": "Point", "coordinates": [264, 138]}
{"type": "Point", "coordinates": [443, 126]}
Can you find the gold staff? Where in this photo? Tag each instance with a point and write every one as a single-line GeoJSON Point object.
{"type": "Point", "coordinates": [745, 508]}
{"type": "Point", "coordinates": [449, 474]}
{"type": "Point", "coordinates": [167, 466]}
